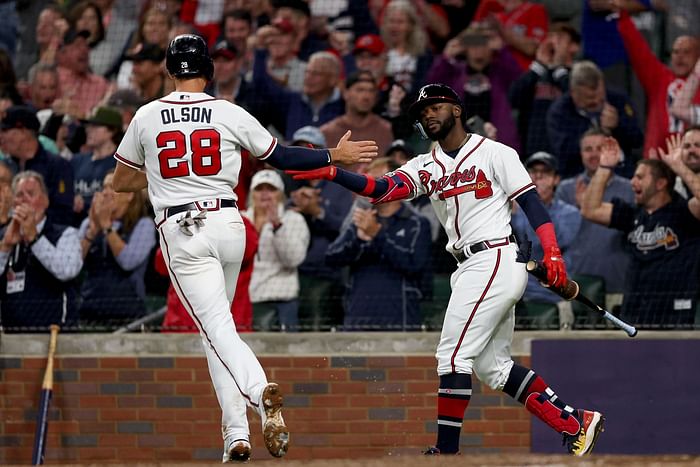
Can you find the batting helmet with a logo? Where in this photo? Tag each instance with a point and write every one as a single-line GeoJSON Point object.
{"type": "Point", "coordinates": [431, 94]}
{"type": "Point", "coordinates": [188, 57]}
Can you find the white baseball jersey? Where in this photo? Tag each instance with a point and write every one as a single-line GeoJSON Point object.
{"type": "Point", "coordinates": [191, 146]}
{"type": "Point", "coordinates": [471, 193]}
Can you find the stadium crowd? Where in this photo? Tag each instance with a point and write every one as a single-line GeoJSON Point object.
{"type": "Point", "coordinates": [599, 97]}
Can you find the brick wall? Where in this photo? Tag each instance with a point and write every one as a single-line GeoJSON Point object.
{"type": "Point", "coordinates": [163, 409]}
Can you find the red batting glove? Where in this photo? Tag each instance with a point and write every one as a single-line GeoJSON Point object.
{"type": "Point", "coordinates": [324, 173]}
{"type": "Point", "coordinates": [556, 270]}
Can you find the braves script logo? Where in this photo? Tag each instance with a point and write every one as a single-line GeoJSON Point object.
{"type": "Point", "coordinates": [660, 237]}
{"type": "Point", "coordinates": [457, 183]}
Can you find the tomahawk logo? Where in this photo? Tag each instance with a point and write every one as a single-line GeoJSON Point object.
{"type": "Point", "coordinates": [660, 237]}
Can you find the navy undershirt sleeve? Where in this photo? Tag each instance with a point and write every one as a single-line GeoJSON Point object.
{"type": "Point", "coordinates": [357, 183]}
{"type": "Point", "coordinates": [298, 158]}
{"type": "Point", "coordinates": [533, 208]}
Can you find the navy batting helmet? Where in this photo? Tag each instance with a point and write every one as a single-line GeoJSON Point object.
{"type": "Point", "coordinates": [188, 57]}
{"type": "Point", "coordinates": [431, 94]}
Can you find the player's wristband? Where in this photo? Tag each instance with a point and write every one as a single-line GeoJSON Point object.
{"type": "Point", "coordinates": [547, 236]}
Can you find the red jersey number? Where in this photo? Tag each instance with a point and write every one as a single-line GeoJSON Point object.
{"type": "Point", "coordinates": [205, 145]}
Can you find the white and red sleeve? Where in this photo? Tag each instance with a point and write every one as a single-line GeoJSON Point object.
{"type": "Point", "coordinates": [410, 173]}
{"type": "Point", "coordinates": [510, 173]}
{"type": "Point", "coordinates": [251, 135]}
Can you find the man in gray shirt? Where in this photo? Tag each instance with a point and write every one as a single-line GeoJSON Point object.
{"type": "Point", "coordinates": [597, 250]}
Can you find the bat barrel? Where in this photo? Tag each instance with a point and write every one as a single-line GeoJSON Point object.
{"type": "Point", "coordinates": [42, 419]}
{"type": "Point", "coordinates": [568, 291]}
{"type": "Point", "coordinates": [42, 426]}
{"type": "Point", "coordinates": [571, 291]}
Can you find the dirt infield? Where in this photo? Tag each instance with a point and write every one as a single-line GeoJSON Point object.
{"type": "Point", "coordinates": [497, 460]}
{"type": "Point", "coordinates": [486, 460]}
{"type": "Point", "coordinates": [494, 460]}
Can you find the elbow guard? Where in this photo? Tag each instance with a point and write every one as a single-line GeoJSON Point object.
{"type": "Point", "coordinates": [399, 189]}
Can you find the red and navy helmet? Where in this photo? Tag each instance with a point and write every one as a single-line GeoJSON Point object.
{"type": "Point", "coordinates": [431, 94]}
{"type": "Point", "coordinates": [188, 57]}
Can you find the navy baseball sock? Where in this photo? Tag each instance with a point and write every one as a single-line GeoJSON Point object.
{"type": "Point", "coordinates": [544, 403]}
{"type": "Point", "coordinates": [453, 399]}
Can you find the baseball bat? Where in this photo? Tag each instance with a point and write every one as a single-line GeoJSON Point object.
{"type": "Point", "coordinates": [42, 419]}
{"type": "Point", "coordinates": [572, 291]}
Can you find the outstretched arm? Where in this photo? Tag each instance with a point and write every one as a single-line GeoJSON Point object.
{"type": "Point", "coordinates": [380, 190]}
{"type": "Point", "coordinates": [300, 158]}
{"type": "Point", "coordinates": [682, 107]}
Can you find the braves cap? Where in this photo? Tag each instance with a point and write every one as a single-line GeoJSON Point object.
{"type": "Point", "coordinates": [269, 177]}
{"type": "Point", "coordinates": [224, 49]}
{"type": "Point", "coordinates": [372, 43]}
{"type": "Point", "coordinates": [432, 94]}
{"type": "Point", "coordinates": [20, 116]}
{"type": "Point", "coordinates": [542, 157]}
{"type": "Point", "coordinates": [309, 134]}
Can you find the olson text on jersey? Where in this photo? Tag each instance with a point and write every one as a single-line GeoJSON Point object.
{"type": "Point", "coordinates": [185, 114]}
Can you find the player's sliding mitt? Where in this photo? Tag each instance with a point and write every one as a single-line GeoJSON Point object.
{"type": "Point", "coordinates": [326, 173]}
{"type": "Point", "coordinates": [554, 263]}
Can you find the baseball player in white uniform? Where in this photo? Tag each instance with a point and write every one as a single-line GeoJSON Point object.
{"type": "Point", "coordinates": [186, 148]}
{"type": "Point", "coordinates": [471, 182]}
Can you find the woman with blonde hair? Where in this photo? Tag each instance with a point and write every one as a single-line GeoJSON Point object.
{"type": "Point", "coordinates": [116, 239]}
{"type": "Point", "coordinates": [409, 55]}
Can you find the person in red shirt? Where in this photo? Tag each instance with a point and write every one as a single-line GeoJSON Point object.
{"type": "Point", "coordinates": [176, 317]}
{"type": "Point", "coordinates": [523, 25]}
{"type": "Point", "coordinates": [661, 83]}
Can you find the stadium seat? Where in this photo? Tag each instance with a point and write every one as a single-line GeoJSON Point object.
{"type": "Point", "coordinates": [536, 315]}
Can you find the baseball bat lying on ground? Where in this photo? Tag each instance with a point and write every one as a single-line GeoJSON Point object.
{"type": "Point", "coordinates": [42, 419]}
{"type": "Point", "coordinates": [572, 291]}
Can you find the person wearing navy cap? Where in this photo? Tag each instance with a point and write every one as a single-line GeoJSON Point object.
{"type": "Point", "coordinates": [19, 140]}
{"type": "Point", "coordinates": [543, 169]}
{"type": "Point", "coordinates": [147, 73]}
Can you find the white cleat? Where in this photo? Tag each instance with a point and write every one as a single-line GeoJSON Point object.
{"type": "Point", "coordinates": [236, 451]}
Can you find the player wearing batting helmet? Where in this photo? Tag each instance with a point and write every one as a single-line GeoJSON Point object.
{"type": "Point", "coordinates": [187, 57]}
{"type": "Point", "coordinates": [471, 181]}
{"type": "Point", "coordinates": [186, 148]}
{"type": "Point", "coordinates": [433, 94]}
